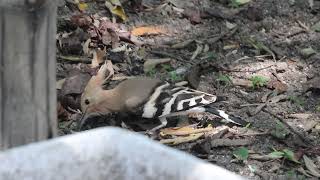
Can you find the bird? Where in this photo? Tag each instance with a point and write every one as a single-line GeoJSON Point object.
{"type": "Point", "coordinates": [152, 98]}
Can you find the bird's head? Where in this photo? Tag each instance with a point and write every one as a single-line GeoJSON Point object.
{"type": "Point", "coordinates": [94, 99]}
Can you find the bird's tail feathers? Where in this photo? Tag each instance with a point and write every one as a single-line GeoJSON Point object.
{"type": "Point", "coordinates": [224, 115]}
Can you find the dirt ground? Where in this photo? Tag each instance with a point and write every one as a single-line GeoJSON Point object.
{"type": "Point", "coordinates": [263, 56]}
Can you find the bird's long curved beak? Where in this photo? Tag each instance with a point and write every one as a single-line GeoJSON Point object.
{"type": "Point", "coordinates": [83, 120]}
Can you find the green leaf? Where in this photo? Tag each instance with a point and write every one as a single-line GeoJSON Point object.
{"type": "Point", "coordinates": [241, 2]}
{"type": "Point", "coordinates": [224, 79]}
{"type": "Point", "coordinates": [211, 56]}
{"type": "Point", "coordinates": [237, 3]}
{"type": "Point", "coordinates": [258, 81]}
{"type": "Point", "coordinates": [252, 168]}
{"type": "Point", "coordinates": [316, 27]}
{"type": "Point", "coordinates": [151, 73]}
{"type": "Point", "coordinates": [290, 155]}
{"type": "Point", "coordinates": [307, 52]}
{"type": "Point", "coordinates": [167, 67]}
{"type": "Point", "coordinates": [276, 155]}
{"type": "Point", "coordinates": [115, 7]}
{"type": "Point", "coordinates": [241, 153]}
{"type": "Point", "coordinates": [279, 131]}
{"type": "Point", "coordinates": [296, 100]}
{"type": "Point", "coordinates": [291, 174]}
{"type": "Point", "coordinates": [174, 76]}
{"type": "Point", "coordinates": [248, 125]}
{"type": "Point", "coordinates": [83, 6]}
{"type": "Point", "coordinates": [260, 46]}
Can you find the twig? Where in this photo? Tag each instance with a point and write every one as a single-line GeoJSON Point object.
{"type": "Point", "coordinates": [255, 134]}
{"type": "Point", "coordinates": [74, 59]}
{"type": "Point", "coordinates": [224, 34]}
{"type": "Point", "coordinates": [296, 33]}
{"type": "Point", "coordinates": [252, 71]}
{"type": "Point", "coordinates": [247, 57]}
{"type": "Point", "coordinates": [252, 104]}
{"type": "Point", "coordinates": [169, 55]}
{"type": "Point", "coordinates": [303, 25]}
{"type": "Point", "coordinates": [197, 51]}
{"type": "Point", "coordinates": [262, 56]}
{"type": "Point", "coordinates": [302, 138]}
{"type": "Point", "coordinates": [230, 142]}
{"type": "Point", "coordinates": [240, 59]}
{"type": "Point", "coordinates": [249, 134]}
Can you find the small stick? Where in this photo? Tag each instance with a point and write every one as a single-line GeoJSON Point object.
{"type": "Point", "coordinates": [169, 55]}
{"type": "Point", "coordinates": [74, 59]}
{"type": "Point", "coordinates": [303, 25]}
{"type": "Point", "coordinates": [248, 134]}
{"type": "Point", "coordinates": [296, 33]}
{"type": "Point", "coordinates": [253, 104]}
{"type": "Point", "coordinates": [253, 71]}
{"type": "Point", "coordinates": [302, 138]}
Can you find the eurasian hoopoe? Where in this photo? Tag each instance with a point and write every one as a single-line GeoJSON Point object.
{"type": "Point", "coordinates": [152, 98]}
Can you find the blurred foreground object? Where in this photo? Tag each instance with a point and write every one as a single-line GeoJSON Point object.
{"type": "Point", "coordinates": [27, 71]}
{"type": "Point", "coordinates": [105, 153]}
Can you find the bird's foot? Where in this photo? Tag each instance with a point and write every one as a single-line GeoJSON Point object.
{"type": "Point", "coordinates": [151, 134]}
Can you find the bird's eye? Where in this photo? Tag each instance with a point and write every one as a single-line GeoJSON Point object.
{"type": "Point", "coordinates": [86, 101]}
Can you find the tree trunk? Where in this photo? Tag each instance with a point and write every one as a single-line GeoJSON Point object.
{"type": "Point", "coordinates": [27, 71]}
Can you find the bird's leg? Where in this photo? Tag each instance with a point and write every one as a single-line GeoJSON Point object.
{"type": "Point", "coordinates": [163, 121]}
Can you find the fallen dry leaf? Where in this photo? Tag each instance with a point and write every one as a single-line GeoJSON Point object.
{"type": "Point", "coordinates": [180, 140]}
{"type": "Point", "coordinates": [302, 171]}
{"type": "Point", "coordinates": [306, 120]}
{"type": "Point", "coordinates": [75, 84]}
{"type": "Point", "coordinates": [303, 116]}
{"type": "Point", "coordinates": [193, 76]}
{"type": "Point", "coordinates": [115, 7]}
{"type": "Point", "coordinates": [230, 142]}
{"type": "Point", "coordinates": [149, 64]}
{"type": "Point", "coordinates": [85, 47]}
{"type": "Point", "coordinates": [261, 157]}
{"type": "Point", "coordinates": [60, 83]}
{"type": "Point", "coordinates": [71, 90]}
{"type": "Point", "coordinates": [312, 84]}
{"type": "Point", "coordinates": [110, 69]}
{"type": "Point", "coordinates": [313, 170]}
{"type": "Point", "coordinates": [183, 44]}
{"type": "Point", "coordinates": [82, 6]}
{"type": "Point", "coordinates": [277, 99]}
{"type": "Point", "coordinates": [121, 77]}
{"type": "Point", "coordinates": [98, 57]}
{"type": "Point", "coordinates": [277, 85]}
{"type": "Point", "coordinates": [241, 82]}
{"type": "Point", "coordinates": [181, 83]}
{"type": "Point", "coordinates": [113, 32]}
{"type": "Point", "coordinates": [197, 51]}
{"type": "Point", "coordinates": [193, 15]}
{"type": "Point", "coordinates": [148, 30]}
{"type": "Point", "coordinates": [81, 20]}
{"type": "Point", "coordinates": [71, 43]}
{"type": "Point", "coordinates": [105, 24]}
{"type": "Point", "coordinates": [63, 114]}
{"type": "Point", "coordinates": [182, 131]}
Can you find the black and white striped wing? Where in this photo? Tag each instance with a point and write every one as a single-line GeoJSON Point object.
{"type": "Point", "coordinates": [167, 99]}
